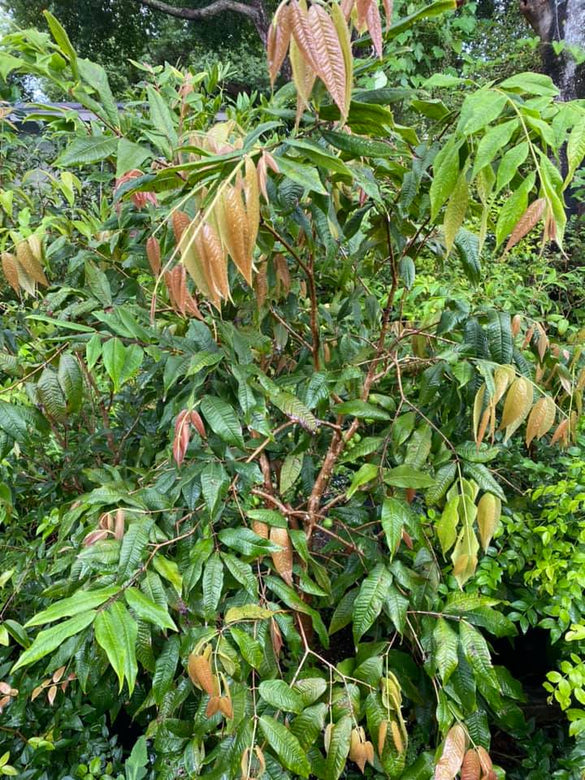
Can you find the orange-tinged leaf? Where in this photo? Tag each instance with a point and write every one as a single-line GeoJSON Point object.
{"type": "Point", "coordinates": [517, 405]}
{"type": "Point", "coordinates": [278, 40]}
{"type": "Point", "coordinates": [527, 221]}
{"type": "Point", "coordinates": [382, 732]}
{"type": "Point", "coordinates": [541, 419]}
{"type": "Point", "coordinates": [251, 191]}
{"type": "Point", "coordinates": [471, 769]}
{"type": "Point", "coordinates": [329, 61]}
{"type": "Point", "coordinates": [213, 706]}
{"type": "Point", "coordinates": [201, 675]}
{"type": "Point", "coordinates": [396, 736]}
{"type": "Point", "coordinates": [453, 753]}
{"type": "Point", "coordinates": [212, 260]}
{"type": "Point", "coordinates": [561, 433]}
{"type": "Point", "coordinates": [260, 528]}
{"type": "Point", "coordinates": [283, 561]}
{"type": "Point", "coordinates": [10, 270]}
{"type": "Point", "coordinates": [225, 706]}
{"type": "Point", "coordinates": [232, 224]}
{"type": "Point", "coordinates": [485, 761]}
{"type": "Point", "coordinates": [489, 510]}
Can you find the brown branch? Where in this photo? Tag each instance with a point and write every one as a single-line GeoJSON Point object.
{"type": "Point", "coordinates": [255, 12]}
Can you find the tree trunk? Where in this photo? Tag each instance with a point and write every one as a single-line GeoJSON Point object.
{"type": "Point", "coordinates": [554, 21]}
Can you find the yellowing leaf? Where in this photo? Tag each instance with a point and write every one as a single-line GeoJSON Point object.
{"type": "Point", "coordinates": [489, 509]}
{"type": "Point", "coordinates": [517, 405]}
{"type": "Point", "coordinates": [541, 419]}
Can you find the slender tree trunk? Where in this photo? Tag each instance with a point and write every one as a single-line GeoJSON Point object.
{"type": "Point", "coordinates": [554, 21]}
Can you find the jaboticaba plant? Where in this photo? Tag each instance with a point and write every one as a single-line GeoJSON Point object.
{"type": "Point", "coordinates": [251, 456]}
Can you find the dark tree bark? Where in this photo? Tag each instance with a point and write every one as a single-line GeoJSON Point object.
{"type": "Point", "coordinates": [255, 11]}
{"type": "Point", "coordinates": [559, 20]}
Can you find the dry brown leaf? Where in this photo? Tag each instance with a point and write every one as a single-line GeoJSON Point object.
{"type": "Point", "coordinates": [31, 265]}
{"type": "Point", "coordinates": [199, 670]}
{"type": "Point", "coordinates": [51, 694]}
{"type": "Point", "coordinates": [541, 419]}
{"type": "Point", "coordinates": [153, 254]}
{"type": "Point", "coordinates": [382, 732]}
{"type": "Point", "coordinates": [562, 433]}
{"type": "Point", "coordinates": [527, 221]}
{"type": "Point", "coordinates": [283, 561]}
{"type": "Point", "coordinates": [329, 59]}
{"type": "Point", "coordinates": [278, 40]}
{"type": "Point", "coordinates": [10, 270]}
{"type": "Point", "coordinates": [453, 752]}
{"type": "Point", "coordinates": [489, 510]}
{"type": "Point", "coordinates": [471, 768]}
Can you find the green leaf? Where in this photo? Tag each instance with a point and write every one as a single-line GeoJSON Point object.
{"type": "Point", "coordinates": [530, 83]}
{"type": "Point", "coordinates": [88, 150]}
{"type": "Point", "coordinates": [242, 572]}
{"type": "Point", "coordinates": [293, 600]}
{"type": "Point", "coordinates": [121, 362]}
{"type": "Point", "coordinates": [395, 515]}
{"type": "Point", "coordinates": [480, 109]}
{"type": "Point", "coordinates": [496, 139]}
{"type": "Point", "coordinates": [81, 601]}
{"type": "Point", "coordinates": [368, 604]}
{"type": "Point", "coordinates": [513, 209]}
{"type": "Point", "coordinates": [446, 643]}
{"type": "Point", "coordinates": [483, 476]}
{"type": "Point", "coordinates": [339, 745]}
{"type": "Point", "coordinates": [304, 175]}
{"type": "Point", "coordinates": [455, 211]}
{"type": "Point", "coordinates": [214, 484]}
{"type": "Point", "coordinates": [447, 525]}
{"type": "Point", "coordinates": [510, 165]}
{"type": "Point", "coordinates": [358, 146]}
{"type": "Point", "coordinates": [71, 381]}
{"type": "Point", "coordinates": [62, 39]}
{"type": "Point", "coordinates": [95, 75]}
{"type": "Point", "coordinates": [222, 420]}
{"type": "Point", "coordinates": [320, 156]}
{"type": "Point", "coordinates": [133, 547]}
{"type": "Point", "coordinates": [406, 476]}
{"type": "Point", "coordinates": [279, 695]}
{"type": "Point", "coordinates": [161, 116]}
{"type": "Point", "coordinates": [362, 410]}
{"type": "Point", "coordinates": [365, 474]}
{"type": "Point", "coordinates": [51, 638]}
{"type": "Point", "coordinates": [310, 689]}
{"type": "Point", "coordinates": [51, 395]}
{"type": "Point", "coordinates": [290, 472]}
{"type": "Point", "coordinates": [246, 542]}
{"type": "Point", "coordinates": [251, 650]}
{"type": "Point", "coordinates": [285, 745]}
{"type": "Point", "coordinates": [98, 284]}
{"type": "Point", "coordinates": [477, 654]}
{"type": "Point", "coordinates": [169, 570]}
{"type": "Point", "coordinates": [445, 176]}
{"type": "Point", "coordinates": [212, 586]}
{"type": "Point", "coordinates": [116, 632]}
{"type": "Point", "coordinates": [146, 609]}
{"type": "Point", "coordinates": [165, 668]}
{"type": "Point", "coordinates": [343, 614]}
{"type": "Point", "coordinates": [130, 156]}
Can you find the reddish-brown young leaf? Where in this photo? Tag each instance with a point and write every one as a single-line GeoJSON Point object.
{"type": "Point", "coordinates": [541, 419]}
{"type": "Point", "coordinates": [302, 33]}
{"type": "Point", "coordinates": [329, 62]}
{"type": "Point", "coordinates": [278, 40]}
{"type": "Point", "coordinates": [471, 768]}
{"type": "Point", "coordinates": [197, 423]}
{"type": "Point", "coordinates": [561, 433]}
{"type": "Point", "coordinates": [181, 439]}
{"type": "Point", "coordinates": [276, 637]}
{"type": "Point", "coordinates": [153, 254]}
{"type": "Point", "coordinates": [527, 221]}
{"type": "Point", "coordinates": [10, 269]}
{"type": "Point", "coordinates": [181, 222]}
{"type": "Point", "coordinates": [374, 23]}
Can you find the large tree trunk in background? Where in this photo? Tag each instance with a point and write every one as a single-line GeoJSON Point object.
{"type": "Point", "coordinates": [559, 21]}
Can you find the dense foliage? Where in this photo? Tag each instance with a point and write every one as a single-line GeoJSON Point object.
{"type": "Point", "coordinates": [289, 420]}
